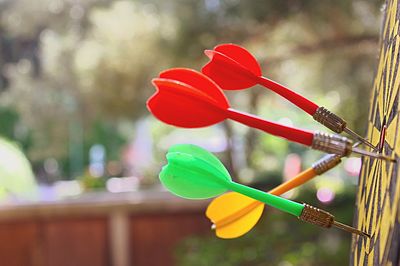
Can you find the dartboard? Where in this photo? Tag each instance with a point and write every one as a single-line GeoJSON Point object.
{"type": "Point", "coordinates": [378, 195]}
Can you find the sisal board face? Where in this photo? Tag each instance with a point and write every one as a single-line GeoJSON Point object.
{"type": "Point", "coordinates": [378, 194]}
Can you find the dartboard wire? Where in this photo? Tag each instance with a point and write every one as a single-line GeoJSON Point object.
{"type": "Point", "coordinates": [384, 75]}
{"type": "Point", "coordinates": [385, 256]}
{"type": "Point", "coordinates": [373, 214]}
{"type": "Point", "coordinates": [386, 78]}
{"type": "Point", "coordinates": [377, 177]}
{"type": "Point", "coordinates": [364, 171]}
{"type": "Point", "coordinates": [386, 85]}
{"type": "Point", "coordinates": [394, 67]}
{"type": "Point", "coordinates": [397, 128]}
{"type": "Point", "coordinates": [390, 232]}
{"type": "Point", "coordinates": [373, 220]}
{"type": "Point", "coordinates": [361, 203]}
{"type": "Point", "coordinates": [390, 62]}
{"type": "Point", "coordinates": [369, 212]}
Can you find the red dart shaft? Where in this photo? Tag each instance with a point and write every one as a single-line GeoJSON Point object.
{"type": "Point", "coordinates": [293, 134]}
{"type": "Point", "coordinates": [290, 95]}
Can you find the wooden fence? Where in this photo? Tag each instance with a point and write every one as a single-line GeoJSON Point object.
{"type": "Point", "coordinates": [140, 228]}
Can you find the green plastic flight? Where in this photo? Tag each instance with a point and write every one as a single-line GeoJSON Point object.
{"type": "Point", "coordinates": [194, 173]}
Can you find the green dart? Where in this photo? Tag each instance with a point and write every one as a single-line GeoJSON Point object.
{"type": "Point", "coordinates": [195, 173]}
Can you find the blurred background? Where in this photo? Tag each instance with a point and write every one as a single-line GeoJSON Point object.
{"type": "Point", "coordinates": [80, 153]}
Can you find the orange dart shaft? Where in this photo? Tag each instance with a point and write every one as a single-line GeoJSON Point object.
{"type": "Point", "coordinates": [294, 182]}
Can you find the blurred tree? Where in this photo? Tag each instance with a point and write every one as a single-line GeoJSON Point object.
{"type": "Point", "coordinates": [117, 57]}
{"type": "Point", "coordinates": [69, 63]}
{"type": "Point", "coordinates": [12, 128]}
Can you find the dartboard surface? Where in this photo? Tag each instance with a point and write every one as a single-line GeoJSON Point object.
{"type": "Point", "coordinates": [378, 195]}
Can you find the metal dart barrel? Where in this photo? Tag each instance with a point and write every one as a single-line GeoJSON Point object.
{"type": "Point", "coordinates": [326, 163]}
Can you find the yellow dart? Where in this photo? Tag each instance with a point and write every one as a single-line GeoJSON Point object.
{"type": "Point", "coordinates": [234, 214]}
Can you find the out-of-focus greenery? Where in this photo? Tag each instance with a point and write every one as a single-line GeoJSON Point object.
{"type": "Point", "coordinates": [68, 65]}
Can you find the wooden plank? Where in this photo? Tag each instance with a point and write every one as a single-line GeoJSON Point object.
{"type": "Point", "coordinates": [119, 238]}
{"type": "Point", "coordinates": [155, 236]}
{"type": "Point", "coordinates": [20, 244]}
{"type": "Point", "coordinates": [78, 242]}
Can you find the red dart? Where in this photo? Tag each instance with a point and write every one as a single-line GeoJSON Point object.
{"type": "Point", "coordinates": [232, 67]}
{"type": "Point", "coordinates": [187, 98]}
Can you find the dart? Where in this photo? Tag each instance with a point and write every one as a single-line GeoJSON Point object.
{"type": "Point", "coordinates": [233, 214]}
{"type": "Point", "coordinates": [187, 98]}
{"type": "Point", "coordinates": [195, 173]}
{"type": "Point", "coordinates": [232, 67]}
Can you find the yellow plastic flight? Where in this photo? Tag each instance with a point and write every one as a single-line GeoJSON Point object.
{"type": "Point", "coordinates": [233, 214]}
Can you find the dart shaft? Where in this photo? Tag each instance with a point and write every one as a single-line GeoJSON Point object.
{"type": "Point", "coordinates": [293, 134]}
{"type": "Point", "coordinates": [374, 155]}
{"type": "Point", "coordinates": [358, 137]}
{"type": "Point", "coordinates": [295, 98]}
{"type": "Point", "coordinates": [282, 204]}
{"type": "Point", "coordinates": [294, 182]}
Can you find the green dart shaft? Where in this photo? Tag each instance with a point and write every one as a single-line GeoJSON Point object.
{"type": "Point", "coordinates": [304, 212]}
{"type": "Point", "coordinates": [282, 204]}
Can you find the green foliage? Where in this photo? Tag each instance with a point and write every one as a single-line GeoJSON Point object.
{"type": "Point", "coordinates": [100, 132]}
{"type": "Point", "coordinates": [11, 127]}
{"type": "Point", "coordinates": [10, 119]}
{"type": "Point", "coordinates": [91, 183]}
{"type": "Point", "coordinates": [105, 133]}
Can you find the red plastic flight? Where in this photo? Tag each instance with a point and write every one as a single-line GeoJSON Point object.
{"type": "Point", "coordinates": [233, 68]}
{"type": "Point", "coordinates": [187, 98]}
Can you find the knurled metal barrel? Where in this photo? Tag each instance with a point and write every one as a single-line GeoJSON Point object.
{"type": "Point", "coordinates": [330, 120]}
{"type": "Point", "coordinates": [316, 216]}
{"type": "Point", "coordinates": [325, 163]}
{"type": "Point", "coordinates": [331, 143]}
